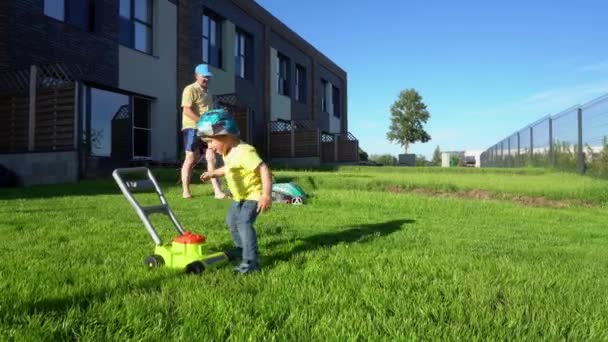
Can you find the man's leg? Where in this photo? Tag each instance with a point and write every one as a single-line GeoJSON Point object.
{"type": "Point", "coordinates": [217, 189]}
{"type": "Point", "coordinates": [191, 149]}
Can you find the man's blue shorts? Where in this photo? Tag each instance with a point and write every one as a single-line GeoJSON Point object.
{"type": "Point", "coordinates": [191, 140]}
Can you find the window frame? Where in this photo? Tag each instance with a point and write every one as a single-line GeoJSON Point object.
{"type": "Point", "coordinates": [133, 21]}
{"type": "Point", "coordinates": [335, 93]}
{"type": "Point", "coordinates": [68, 16]}
{"type": "Point", "coordinates": [300, 84]}
{"type": "Point", "coordinates": [324, 84]}
{"type": "Point", "coordinates": [243, 54]}
{"type": "Point", "coordinates": [134, 128]}
{"type": "Point", "coordinates": [218, 21]}
{"type": "Point", "coordinates": [283, 80]}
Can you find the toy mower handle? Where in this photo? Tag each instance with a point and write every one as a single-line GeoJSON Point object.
{"type": "Point", "coordinates": [149, 184]}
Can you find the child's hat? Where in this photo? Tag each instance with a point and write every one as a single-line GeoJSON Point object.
{"type": "Point", "coordinates": [217, 122]}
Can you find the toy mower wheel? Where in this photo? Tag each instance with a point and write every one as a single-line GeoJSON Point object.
{"type": "Point", "coordinates": [297, 201]}
{"type": "Point", "coordinates": [196, 267]}
{"type": "Point", "coordinates": [154, 261]}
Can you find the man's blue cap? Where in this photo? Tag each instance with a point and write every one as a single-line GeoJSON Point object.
{"type": "Point", "coordinates": [203, 70]}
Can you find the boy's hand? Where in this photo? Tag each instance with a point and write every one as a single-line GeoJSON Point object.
{"type": "Point", "coordinates": [205, 176]}
{"type": "Point", "coordinates": [264, 203]}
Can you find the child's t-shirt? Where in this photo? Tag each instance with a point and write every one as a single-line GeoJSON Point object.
{"type": "Point", "coordinates": [242, 173]}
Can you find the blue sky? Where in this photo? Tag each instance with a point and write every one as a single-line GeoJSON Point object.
{"type": "Point", "coordinates": [485, 69]}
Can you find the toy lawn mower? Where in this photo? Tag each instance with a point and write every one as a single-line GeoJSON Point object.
{"type": "Point", "coordinates": [186, 251]}
{"type": "Point", "coordinates": [289, 193]}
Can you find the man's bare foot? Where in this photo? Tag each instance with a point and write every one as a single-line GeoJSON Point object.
{"type": "Point", "coordinates": [220, 195]}
{"type": "Point", "coordinates": [186, 195]}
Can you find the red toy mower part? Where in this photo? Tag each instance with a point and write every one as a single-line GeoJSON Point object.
{"type": "Point", "coordinates": [190, 238]}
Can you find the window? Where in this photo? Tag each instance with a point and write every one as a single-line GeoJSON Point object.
{"type": "Point", "coordinates": [212, 40]}
{"type": "Point", "coordinates": [283, 74]}
{"type": "Point", "coordinates": [135, 24]}
{"type": "Point", "coordinates": [109, 124]}
{"type": "Point", "coordinates": [243, 54]}
{"type": "Point", "coordinates": [55, 9]}
{"type": "Point", "coordinates": [118, 125]}
{"type": "Point", "coordinates": [300, 83]}
{"type": "Point", "coordinates": [79, 13]}
{"type": "Point", "coordinates": [324, 85]}
{"type": "Point", "coordinates": [141, 128]}
{"type": "Point", "coordinates": [336, 101]}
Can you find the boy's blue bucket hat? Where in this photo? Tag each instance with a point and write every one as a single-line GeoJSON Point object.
{"type": "Point", "coordinates": [203, 70]}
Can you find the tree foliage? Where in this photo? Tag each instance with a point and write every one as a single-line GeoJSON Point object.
{"type": "Point", "coordinates": [408, 116]}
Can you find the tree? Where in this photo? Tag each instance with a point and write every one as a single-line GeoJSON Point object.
{"type": "Point", "coordinates": [421, 160]}
{"type": "Point", "coordinates": [436, 156]}
{"type": "Point", "coordinates": [384, 159]}
{"type": "Point", "coordinates": [362, 155]}
{"type": "Point", "coordinates": [408, 115]}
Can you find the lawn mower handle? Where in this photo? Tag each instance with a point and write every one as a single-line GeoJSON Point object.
{"type": "Point", "coordinates": [149, 184]}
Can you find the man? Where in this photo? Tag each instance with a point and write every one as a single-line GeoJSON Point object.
{"type": "Point", "coordinates": [196, 100]}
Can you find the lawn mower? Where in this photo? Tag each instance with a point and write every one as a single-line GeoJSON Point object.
{"type": "Point", "coordinates": [289, 193]}
{"type": "Point", "coordinates": [188, 250]}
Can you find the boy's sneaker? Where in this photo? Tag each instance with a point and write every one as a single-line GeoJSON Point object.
{"type": "Point", "coordinates": [247, 267]}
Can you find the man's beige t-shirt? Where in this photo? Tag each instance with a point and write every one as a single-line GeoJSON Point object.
{"type": "Point", "coordinates": [198, 100]}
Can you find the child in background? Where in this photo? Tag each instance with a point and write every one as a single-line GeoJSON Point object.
{"type": "Point", "coordinates": [248, 178]}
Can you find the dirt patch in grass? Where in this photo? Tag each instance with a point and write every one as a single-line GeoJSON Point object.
{"type": "Point", "coordinates": [479, 194]}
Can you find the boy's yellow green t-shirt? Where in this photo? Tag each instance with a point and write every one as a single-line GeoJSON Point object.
{"type": "Point", "coordinates": [242, 173]}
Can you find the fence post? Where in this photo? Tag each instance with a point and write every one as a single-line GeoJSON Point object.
{"type": "Point", "coordinates": [76, 112]}
{"type": "Point", "coordinates": [518, 150]}
{"type": "Point", "coordinates": [32, 109]}
{"type": "Point", "coordinates": [531, 145]}
{"type": "Point", "coordinates": [268, 131]}
{"type": "Point", "coordinates": [551, 157]}
{"type": "Point", "coordinates": [581, 156]}
{"type": "Point", "coordinates": [293, 140]}
{"type": "Point", "coordinates": [502, 153]}
{"type": "Point", "coordinates": [319, 142]}
{"type": "Point", "coordinates": [336, 147]}
{"type": "Point", "coordinates": [509, 159]}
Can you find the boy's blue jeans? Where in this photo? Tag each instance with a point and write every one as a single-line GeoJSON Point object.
{"type": "Point", "coordinates": [240, 219]}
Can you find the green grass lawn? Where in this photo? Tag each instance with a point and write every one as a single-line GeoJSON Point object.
{"type": "Point", "coordinates": [355, 263]}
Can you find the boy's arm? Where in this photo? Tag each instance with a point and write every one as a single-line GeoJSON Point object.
{"type": "Point", "coordinates": [214, 174]}
{"type": "Point", "coordinates": [266, 200]}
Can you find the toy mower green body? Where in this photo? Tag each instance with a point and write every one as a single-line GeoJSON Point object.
{"type": "Point", "coordinates": [289, 193]}
{"type": "Point", "coordinates": [187, 251]}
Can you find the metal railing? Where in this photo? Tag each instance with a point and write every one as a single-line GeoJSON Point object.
{"type": "Point", "coordinates": [575, 139]}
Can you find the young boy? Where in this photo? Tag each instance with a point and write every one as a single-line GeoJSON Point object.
{"type": "Point", "coordinates": [248, 178]}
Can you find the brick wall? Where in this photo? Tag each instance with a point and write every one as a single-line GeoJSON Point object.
{"type": "Point", "coordinates": [4, 63]}
{"type": "Point", "coordinates": [40, 40]}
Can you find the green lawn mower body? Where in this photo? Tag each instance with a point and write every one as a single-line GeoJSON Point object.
{"type": "Point", "coordinates": [289, 193]}
{"type": "Point", "coordinates": [187, 251]}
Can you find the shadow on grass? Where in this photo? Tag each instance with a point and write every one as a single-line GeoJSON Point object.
{"type": "Point", "coordinates": [359, 234]}
{"type": "Point", "coordinates": [82, 301]}
{"type": "Point", "coordinates": [82, 188]}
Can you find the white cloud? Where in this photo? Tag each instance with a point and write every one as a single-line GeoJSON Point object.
{"type": "Point", "coordinates": [600, 66]}
{"type": "Point", "coordinates": [555, 100]}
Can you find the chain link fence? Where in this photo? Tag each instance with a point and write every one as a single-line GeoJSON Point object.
{"type": "Point", "coordinates": [576, 139]}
